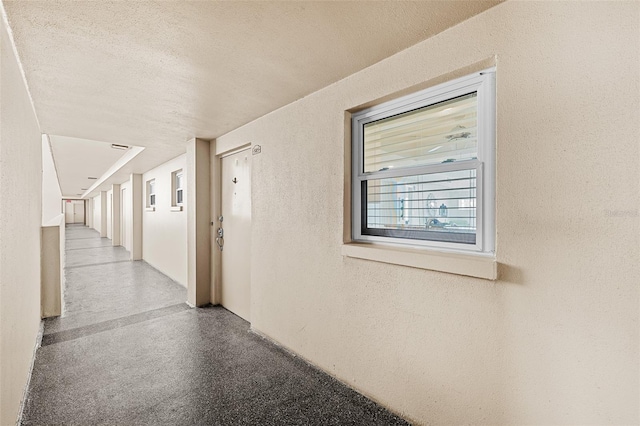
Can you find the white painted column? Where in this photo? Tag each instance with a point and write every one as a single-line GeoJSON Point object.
{"type": "Point", "coordinates": [51, 274]}
{"type": "Point", "coordinates": [137, 204]}
{"type": "Point", "coordinates": [103, 213]}
{"type": "Point", "coordinates": [88, 212]}
{"type": "Point", "coordinates": [198, 223]}
{"type": "Point", "coordinates": [115, 216]}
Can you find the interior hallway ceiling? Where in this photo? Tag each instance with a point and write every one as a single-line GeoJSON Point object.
{"type": "Point", "coordinates": [81, 160]}
{"type": "Point", "coordinates": [156, 74]}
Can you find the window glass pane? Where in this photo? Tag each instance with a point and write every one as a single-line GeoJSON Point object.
{"type": "Point", "coordinates": [443, 132]}
{"type": "Point", "coordinates": [152, 200]}
{"type": "Point", "coordinates": [179, 196]}
{"type": "Point", "coordinates": [179, 181]}
{"type": "Point", "coordinates": [435, 206]}
{"type": "Point", "coordinates": [152, 185]}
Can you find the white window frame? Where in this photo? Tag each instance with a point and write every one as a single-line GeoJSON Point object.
{"type": "Point", "coordinates": [175, 188]}
{"type": "Point", "coordinates": [483, 83]}
{"type": "Point", "coordinates": [151, 204]}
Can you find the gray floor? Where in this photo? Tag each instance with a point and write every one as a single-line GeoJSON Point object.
{"type": "Point", "coordinates": [129, 351]}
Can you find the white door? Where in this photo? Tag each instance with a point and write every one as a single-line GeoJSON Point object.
{"type": "Point", "coordinates": [78, 212]}
{"type": "Point", "coordinates": [68, 211]}
{"type": "Point", "coordinates": [236, 224]}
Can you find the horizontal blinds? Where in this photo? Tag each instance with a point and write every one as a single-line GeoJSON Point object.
{"type": "Point", "coordinates": [443, 203]}
{"type": "Point", "coordinates": [438, 133]}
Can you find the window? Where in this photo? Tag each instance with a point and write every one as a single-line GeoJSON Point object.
{"type": "Point", "coordinates": [151, 193]}
{"type": "Point", "coordinates": [177, 190]}
{"type": "Point", "coordinates": [423, 167]}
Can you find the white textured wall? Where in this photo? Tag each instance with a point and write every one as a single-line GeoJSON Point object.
{"type": "Point", "coordinates": [51, 268]}
{"type": "Point", "coordinates": [126, 210]}
{"type": "Point", "coordinates": [51, 194]}
{"type": "Point", "coordinates": [198, 197]}
{"type": "Point", "coordinates": [20, 221]}
{"type": "Point", "coordinates": [164, 242]}
{"type": "Point", "coordinates": [555, 340]}
{"type": "Point", "coordinates": [96, 208]}
{"type": "Point", "coordinates": [137, 202]}
{"type": "Point", "coordinates": [88, 213]}
{"type": "Point", "coordinates": [109, 213]}
{"type": "Point", "coordinates": [52, 237]}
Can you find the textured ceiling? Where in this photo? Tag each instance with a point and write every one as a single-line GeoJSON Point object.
{"type": "Point", "coordinates": [156, 74]}
{"type": "Point", "coordinates": [81, 159]}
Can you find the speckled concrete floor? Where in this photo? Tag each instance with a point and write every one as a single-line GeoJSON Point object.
{"type": "Point", "coordinates": [130, 352]}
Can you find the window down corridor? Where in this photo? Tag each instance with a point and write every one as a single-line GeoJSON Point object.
{"type": "Point", "coordinates": [128, 350]}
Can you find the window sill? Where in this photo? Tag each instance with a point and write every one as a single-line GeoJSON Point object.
{"type": "Point", "coordinates": [150, 209]}
{"type": "Point", "coordinates": [473, 265]}
{"type": "Point", "coordinates": [176, 208]}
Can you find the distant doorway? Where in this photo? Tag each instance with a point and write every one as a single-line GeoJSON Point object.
{"type": "Point", "coordinates": [78, 212]}
{"type": "Point", "coordinates": [74, 211]}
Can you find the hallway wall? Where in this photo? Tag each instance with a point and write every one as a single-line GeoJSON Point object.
{"type": "Point", "coordinates": [109, 213]}
{"type": "Point", "coordinates": [164, 243]}
{"type": "Point", "coordinates": [88, 213]}
{"type": "Point", "coordinates": [126, 222]}
{"type": "Point", "coordinates": [20, 185]}
{"type": "Point", "coordinates": [96, 208]}
{"type": "Point", "coordinates": [555, 339]}
{"type": "Point", "coordinates": [51, 194]}
{"type": "Point", "coordinates": [52, 240]}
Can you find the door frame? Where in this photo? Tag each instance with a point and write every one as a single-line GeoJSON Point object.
{"type": "Point", "coordinates": [218, 152]}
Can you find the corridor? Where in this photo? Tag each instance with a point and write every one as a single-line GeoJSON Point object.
{"type": "Point", "coordinates": [129, 351]}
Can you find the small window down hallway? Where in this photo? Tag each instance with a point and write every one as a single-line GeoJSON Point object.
{"type": "Point", "coordinates": [129, 350]}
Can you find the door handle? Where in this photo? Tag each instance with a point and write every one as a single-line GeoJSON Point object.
{"type": "Point", "coordinates": [220, 233]}
{"type": "Point", "coordinates": [220, 238]}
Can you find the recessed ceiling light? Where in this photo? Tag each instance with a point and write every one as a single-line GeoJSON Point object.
{"type": "Point", "coordinates": [116, 146]}
{"type": "Point", "coordinates": [83, 189]}
{"type": "Point", "coordinates": [91, 178]}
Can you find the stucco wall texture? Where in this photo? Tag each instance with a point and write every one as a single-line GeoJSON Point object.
{"type": "Point", "coordinates": [555, 339]}
{"type": "Point", "coordinates": [164, 244]}
{"type": "Point", "coordinates": [20, 220]}
{"type": "Point", "coordinates": [126, 206]}
{"type": "Point", "coordinates": [51, 195]}
{"type": "Point", "coordinates": [96, 207]}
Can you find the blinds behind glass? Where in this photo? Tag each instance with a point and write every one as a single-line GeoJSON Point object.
{"type": "Point", "coordinates": [435, 206]}
{"type": "Point", "coordinates": [443, 132]}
